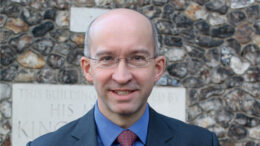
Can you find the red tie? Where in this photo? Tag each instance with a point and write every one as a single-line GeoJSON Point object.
{"type": "Point", "coordinates": [126, 138]}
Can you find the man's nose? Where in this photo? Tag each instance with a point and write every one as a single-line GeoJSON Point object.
{"type": "Point", "coordinates": [122, 74]}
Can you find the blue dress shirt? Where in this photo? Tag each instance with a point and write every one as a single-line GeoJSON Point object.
{"type": "Point", "coordinates": [108, 131]}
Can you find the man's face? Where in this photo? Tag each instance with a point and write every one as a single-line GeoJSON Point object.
{"type": "Point", "coordinates": [122, 90]}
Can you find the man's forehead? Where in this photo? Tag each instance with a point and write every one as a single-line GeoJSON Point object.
{"type": "Point", "coordinates": [128, 28]}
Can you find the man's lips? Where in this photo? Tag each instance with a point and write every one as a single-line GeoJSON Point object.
{"type": "Point", "coordinates": [122, 92]}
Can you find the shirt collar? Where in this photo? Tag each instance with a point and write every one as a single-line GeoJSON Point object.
{"type": "Point", "coordinates": [108, 131]}
{"type": "Point", "coordinates": [140, 127]}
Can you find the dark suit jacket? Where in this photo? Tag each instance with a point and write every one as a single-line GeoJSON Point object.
{"type": "Point", "coordinates": [162, 131]}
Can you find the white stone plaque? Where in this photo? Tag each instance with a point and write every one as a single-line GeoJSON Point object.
{"type": "Point", "coordinates": [18, 1]}
{"type": "Point", "coordinates": [42, 108]}
{"type": "Point", "coordinates": [169, 101]}
{"type": "Point", "coordinates": [80, 18]}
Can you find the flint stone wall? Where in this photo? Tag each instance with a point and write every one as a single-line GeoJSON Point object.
{"type": "Point", "coordinates": [212, 48]}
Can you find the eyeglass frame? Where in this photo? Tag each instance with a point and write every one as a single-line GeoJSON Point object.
{"type": "Point", "coordinates": [117, 60]}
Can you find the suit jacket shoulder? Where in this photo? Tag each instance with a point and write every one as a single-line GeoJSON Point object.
{"type": "Point", "coordinates": [76, 133]}
{"type": "Point", "coordinates": [165, 131]}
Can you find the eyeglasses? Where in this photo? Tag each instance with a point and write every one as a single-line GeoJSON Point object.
{"type": "Point", "coordinates": [135, 61]}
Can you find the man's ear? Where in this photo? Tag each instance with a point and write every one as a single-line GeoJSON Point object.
{"type": "Point", "coordinates": [160, 63]}
{"type": "Point", "coordinates": [85, 66]}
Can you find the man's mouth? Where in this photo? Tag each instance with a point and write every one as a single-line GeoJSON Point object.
{"type": "Point", "coordinates": [123, 92]}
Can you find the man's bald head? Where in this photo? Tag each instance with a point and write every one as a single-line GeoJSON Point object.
{"type": "Point", "coordinates": [120, 18]}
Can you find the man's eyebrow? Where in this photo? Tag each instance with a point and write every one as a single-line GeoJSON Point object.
{"type": "Point", "coordinates": [143, 51]}
{"type": "Point", "coordinates": [100, 53]}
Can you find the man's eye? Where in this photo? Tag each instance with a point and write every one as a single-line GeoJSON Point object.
{"type": "Point", "coordinates": [138, 58]}
{"type": "Point", "coordinates": [106, 58]}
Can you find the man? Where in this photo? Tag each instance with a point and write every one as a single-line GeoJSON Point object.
{"type": "Point", "coordinates": [122, 61]}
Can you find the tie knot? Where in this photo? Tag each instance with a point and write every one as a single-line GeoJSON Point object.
{"type": "Point", "coordinates": [126, 138]}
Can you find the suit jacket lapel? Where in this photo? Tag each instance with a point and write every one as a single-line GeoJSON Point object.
{"type": "Point", "coordinates": [158, 131]}
{"type": "Point", "coordinates": [85, 130]}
